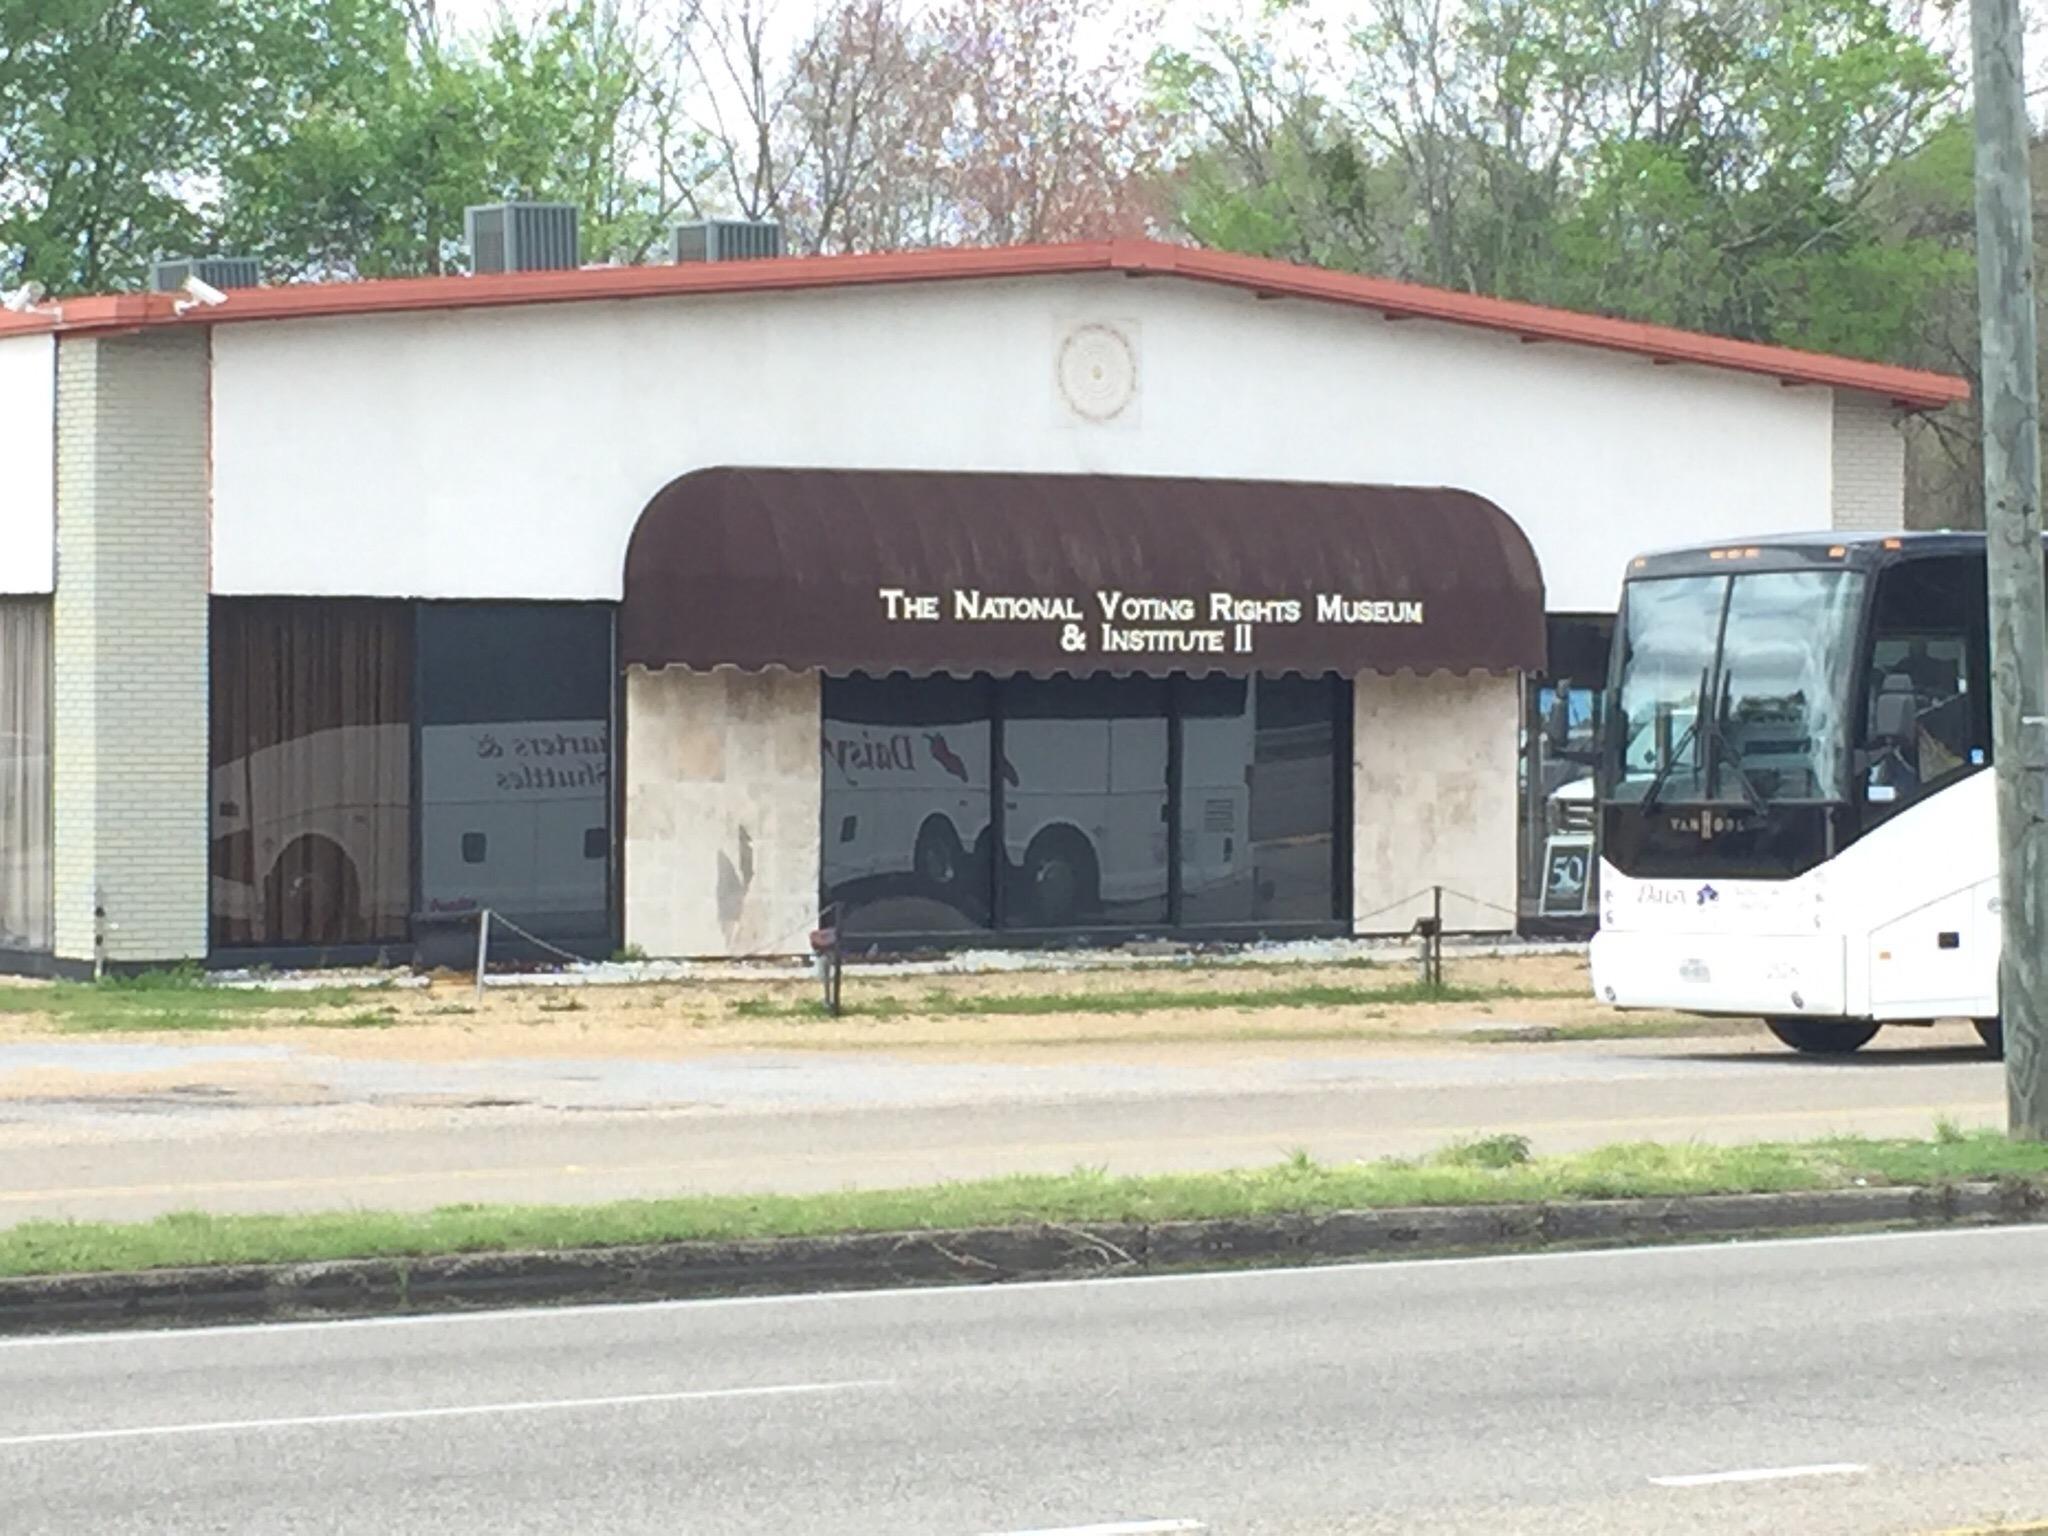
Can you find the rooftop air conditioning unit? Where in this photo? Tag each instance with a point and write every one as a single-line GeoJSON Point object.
{"type": "Point", "coordinates": [167, 274]}
{"type": "Point", "coordinates": [522, 237]}
{"type": "Point", "coordinates": [725, 240]}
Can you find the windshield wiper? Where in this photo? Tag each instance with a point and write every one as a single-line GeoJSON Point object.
{"type": "Point", "coordinates": [1654, 792]}
{"type": "Point", "coordinates": [1718, 752]}
{"type": "Point", "coordinates": [1721, 753]}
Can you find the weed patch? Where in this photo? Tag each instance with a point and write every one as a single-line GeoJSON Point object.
{"type": "Point", "coordinates": [936, 1004]}
{"type": "Point", "coordinates": [173, 1001]}
{"type": "Point", "coordinates": [1504, 1151]}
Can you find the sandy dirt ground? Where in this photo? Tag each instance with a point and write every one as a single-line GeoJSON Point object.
{"type": "Point", "coordinates": [443, 1020]}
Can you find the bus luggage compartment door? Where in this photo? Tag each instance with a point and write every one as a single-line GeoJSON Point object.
{"type": "Point", "coordinates": [1940, 960]}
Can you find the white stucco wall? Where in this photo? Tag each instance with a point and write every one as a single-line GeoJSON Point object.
{"type": "Point", "coordinates": [723, 786]}
{"type": "Point", "coordinates": [507, 453]}
{"type": "Point", "coordinates": [1433, 800]}
{"type": "Point", "coordinates": [28, 464]}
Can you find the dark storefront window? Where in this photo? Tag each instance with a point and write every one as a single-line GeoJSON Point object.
{"type": "Point", "coordinates": [312, 773]}
{"type": "Point", "coordinates": [374, 762]}
{"type": "Point", "coordinates": [1084, 802]}
{"type": "Point", "coordinates": [1560, 750]}
{"type": "Point", "coordinates": [906, 829]}
{"type": "Point", "coordinates": [1096, 776]}
{"type": "Point", "coordinates": [1258, 820]}
{"type": "Point", "coordinates": [514, 752]}
{"type": "Point", "coordinates": [25, 679]}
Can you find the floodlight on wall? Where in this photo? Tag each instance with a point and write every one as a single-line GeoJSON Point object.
{"type": "Point", "coordinates": [199, 292]}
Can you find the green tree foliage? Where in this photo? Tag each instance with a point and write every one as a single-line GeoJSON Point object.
{"type": "Point", "coordinates": [369, 147]}
{"type": "Point", "coordinates": [113, 114]}
{"type": "Point", "coordinates": [1707, 163]}
{"type": "Point", "coordinates": [328, 137]}
{"type": "Point", "coordinates": [381, 135]}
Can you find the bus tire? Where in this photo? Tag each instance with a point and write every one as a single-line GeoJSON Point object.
{"type": "Point", "coordinates": [1992, 1033]}
{"type": "Point", "coordinates": [1061, 882]}
{"type": "Point", "coordinates": [938, 855]}
{"type": "Point", "coordinates": [312, 894]}
{"type": "Point", "coordinates": [1822, 1037]}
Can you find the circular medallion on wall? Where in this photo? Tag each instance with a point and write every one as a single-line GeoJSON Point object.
{"type": "Point", "coordinates": [1098, 372]}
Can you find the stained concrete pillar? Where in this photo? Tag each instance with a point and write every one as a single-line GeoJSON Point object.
{"type": "Point", "coordinates": [723, 790]}
{"type": "Point", "coordinates": [1434, 800]}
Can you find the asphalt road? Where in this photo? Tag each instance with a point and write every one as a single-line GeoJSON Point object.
{"type": "Point", "coordinates": [406, 1135]}
{"type": "Point", "coordinates": [1860, 1385]}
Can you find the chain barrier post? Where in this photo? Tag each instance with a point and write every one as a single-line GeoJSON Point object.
{"type": "Point", "coordinates": [483, 949]}
{"type": "Point", "coordinates": [825, 945]}
{"type": "Point", "coordinates": [1431, 929]}
{"type": "Point", "coordinates": [1436, 938]}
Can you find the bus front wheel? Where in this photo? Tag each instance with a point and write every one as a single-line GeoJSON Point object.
{"type": "Point", "coordinates": [1822, 1037]}
{"type": "Point", "coordinates": [1061, 879]}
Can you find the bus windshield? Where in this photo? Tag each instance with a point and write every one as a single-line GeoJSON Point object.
{"type": "Point", "coordinates": [1735, 689]}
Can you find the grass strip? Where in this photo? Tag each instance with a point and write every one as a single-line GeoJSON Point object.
{"type": "Point", "coordinates": [182, 1000]}
{"type": "Point", "coordinates": [1496, 1169]}
{"type": "Point", "coordinates": [939, 1004]}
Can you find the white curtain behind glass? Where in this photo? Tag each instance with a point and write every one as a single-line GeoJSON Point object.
{"type": "Point", "coordinates": [24, 773]}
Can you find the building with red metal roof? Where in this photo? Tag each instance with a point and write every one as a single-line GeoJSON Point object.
{"type": "Point", "coordinates": [1075, 592]}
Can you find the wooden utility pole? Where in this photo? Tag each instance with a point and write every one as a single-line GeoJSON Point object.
{"type": "Point", "coordinates": [2013, 556]}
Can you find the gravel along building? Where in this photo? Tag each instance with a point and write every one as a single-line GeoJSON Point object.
{"type": "Point", "coordinates": [987, 596]}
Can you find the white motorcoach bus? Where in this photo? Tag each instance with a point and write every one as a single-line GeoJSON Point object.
{"type": "Point", "coordinates": [1796, 822]}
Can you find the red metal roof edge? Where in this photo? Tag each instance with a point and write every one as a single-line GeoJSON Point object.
{"type": "Point", "coordinates": [1909, 387]}
{"type": "Point", "coordinates": [1535, 322]}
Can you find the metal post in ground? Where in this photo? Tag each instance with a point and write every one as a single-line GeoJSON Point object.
{"type": "Point", "coordinates": [825, 945]}
{"type": "Point", "coordinates": [2013, 556]}
{"type": "Point", "coordinates": [1431, 929]}
{"type": "Point", "coordinates": [1436, 938]}
{"type": "Point", "coordinates": [483, 950]}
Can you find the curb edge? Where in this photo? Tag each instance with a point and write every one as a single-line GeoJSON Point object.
{"type": "Point", "coordinates": [250, 1293]}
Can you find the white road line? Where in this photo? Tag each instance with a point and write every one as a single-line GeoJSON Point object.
{"type": "Point", "coordinates": [1761, 1474]}
{"type": "Point", "coordinates": [959, 1294]}
{"type": "Point", "coordinates": [403, 1415]}
{"type": "Point", "coordinates": [1123, 1528]}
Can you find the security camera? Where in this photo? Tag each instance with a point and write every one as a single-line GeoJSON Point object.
{"type": "Point", "coordinates": [22, 299]}
{"type": "Point", "coordinates": [201, 293]}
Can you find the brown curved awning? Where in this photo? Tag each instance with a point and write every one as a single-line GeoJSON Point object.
{"type": "Point", "coordinates": [881, 571]}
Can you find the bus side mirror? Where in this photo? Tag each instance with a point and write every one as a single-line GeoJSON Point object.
{"type": "Point", "coordinates": [1557, 720]}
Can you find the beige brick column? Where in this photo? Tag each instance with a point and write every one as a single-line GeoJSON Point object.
{"type": "Point", "coordinates": [130, 646]}
{"type": "Point", "coordinates": [1869, 467]}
